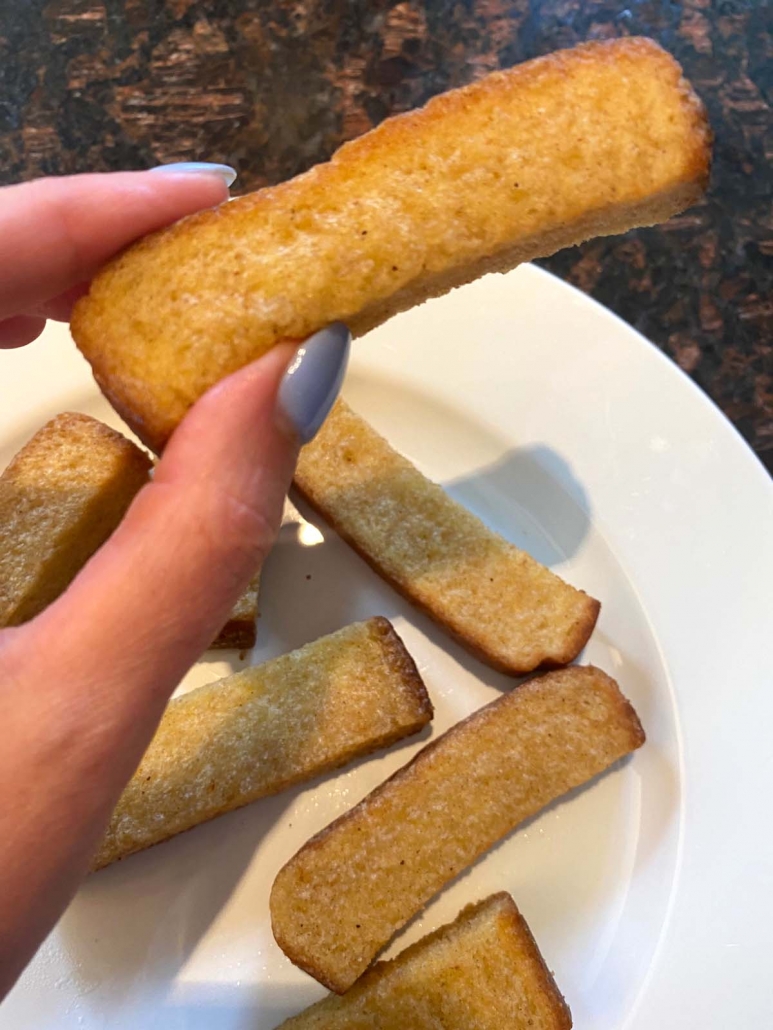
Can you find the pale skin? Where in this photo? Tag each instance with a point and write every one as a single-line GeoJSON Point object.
{"type": "Point", "coordinates": [79, 700]}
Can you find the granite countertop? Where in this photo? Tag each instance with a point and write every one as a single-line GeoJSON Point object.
{"type": "Point", "coordinates": [275, 87]}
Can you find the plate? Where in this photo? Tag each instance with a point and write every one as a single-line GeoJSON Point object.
{"type": "Point", "coordinates": [578, 440]}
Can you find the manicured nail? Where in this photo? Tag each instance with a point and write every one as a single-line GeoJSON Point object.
{"type": "Point", "coordinates": [226, 173]}
{"type": "Point", "coordinates": [311, 383]}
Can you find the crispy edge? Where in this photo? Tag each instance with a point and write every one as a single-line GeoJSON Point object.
{"type": "Point", "coordinates": [152, 423]}
{"type": "Point", "coordinates": [574, 644]}
{"type": "Point", "coordinates": [627, 716]}
{"type": "Point", "coordinates": [68, 421]}
{"type": "Point", "coordinates": [399, 661]}
{"type": "Point", "coordinates": [546, 984]}
{"type": "Point", "coordinates": [513, 922]}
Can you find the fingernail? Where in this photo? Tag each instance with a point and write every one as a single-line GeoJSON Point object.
{"type": "Point", "coordinates": [312, 382]}
{"type": "Point", "coordinates": [226, 173]}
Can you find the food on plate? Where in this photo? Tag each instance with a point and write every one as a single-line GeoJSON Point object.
{"type": "Point", "coordinates": [584, 142]}
{"type": "Point", "coordinates": [481, 972]}
{"type": "Point", "coordinates": [509, 610]}
{"type": "Point", "coordinates": [343, 896]}
{"type": "Point", "coordinates": [266, 728]}
{"type": "Point", "coordinates": [60, 498]}
{"type": "Point", "coordinates": [241, 630]}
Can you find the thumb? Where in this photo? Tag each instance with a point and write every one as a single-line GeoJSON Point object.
{"type": "Point", "coordinates": [152, 599]}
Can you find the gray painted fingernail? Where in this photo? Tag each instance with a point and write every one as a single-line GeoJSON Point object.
{"type": "Point", "coordinates": [226, 173]}
{"type": "Point", "coordinates": [311, 383]}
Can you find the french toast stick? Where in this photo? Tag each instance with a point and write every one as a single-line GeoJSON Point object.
{"type": "Point", "coordinates": [241, 631]}
{"type": "Point", "coordinates": [584, 142]}
{"type": "Point", "coordinates": [60, 498]}
{"type": "Point", "coordinates": [343, 896]}
{"type": "Point", "coordinates": [501, 604]}
{"type": "Point", "coordinates": [266, 728]}
{"type": "Point", "coordinates": [484, 971]}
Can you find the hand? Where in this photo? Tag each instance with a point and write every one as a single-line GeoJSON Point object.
{"type": "Point", "coordinates": [83, 685]}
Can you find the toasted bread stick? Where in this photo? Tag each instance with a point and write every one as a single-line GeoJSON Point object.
{"type": "Point", "coordinates": [350, 888]}
{"type": "Point", "coordinates": [584, 142]}
{"type": "Point", "coordinates": [60, 498]}
{"type": "Point", "coordinates": [241, 631]}
{"type": "Point", "coordinates": [481, 972]}
{"type": "Point", "coordinates": [506, 608]}
{"type": "Point", "coordinates": [266, 728]}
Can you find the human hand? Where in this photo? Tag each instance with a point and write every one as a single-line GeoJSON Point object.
{"type": "Point", "coordinates": [83, 685]}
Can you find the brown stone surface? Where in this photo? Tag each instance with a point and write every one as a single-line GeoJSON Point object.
{"type": "Point", "coordinates": [274, 87]}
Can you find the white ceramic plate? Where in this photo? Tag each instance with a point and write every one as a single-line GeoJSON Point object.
{"type": "Point", "coordinates": [649, 892]}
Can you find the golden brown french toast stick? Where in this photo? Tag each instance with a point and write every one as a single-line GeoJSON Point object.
{"type": "Point", "coordinates": [581, 143]}
{"type": "Point", "coordinates": [266, 728]}
{"type": "Point", "coordinates": [481, 972]}
{"type": "Point", "coordinates": [353, 886]}
{"type": "Point", "coordinates": [509, 610]}
{"type": "Point", "coordinates": [60, 498]}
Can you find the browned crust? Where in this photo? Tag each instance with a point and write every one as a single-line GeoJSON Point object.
{"type": "Point", "coordinates": [575, 642]}
{"type": "Point", "coordinates": [627, 717]}
{"type": "Point", "coordinates": [237, 635]}
{"type": "Point", "coordinates": [400, 661]}
{"type": "Point", "coordinates": [547, 985]}
{"type": "Point", "coordinates": [69, 422]}
{"type": "Point", "coordinates": [153, 420]}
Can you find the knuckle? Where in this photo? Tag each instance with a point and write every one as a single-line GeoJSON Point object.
{"type": "Point", "coordinates": [240, 532]}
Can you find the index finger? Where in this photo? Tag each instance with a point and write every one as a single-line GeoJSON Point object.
{"type": "Point", "coordinates": [55, 233]}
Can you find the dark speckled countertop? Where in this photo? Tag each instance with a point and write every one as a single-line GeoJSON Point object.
{"type": "Point", "coordinates": [275, 87]}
